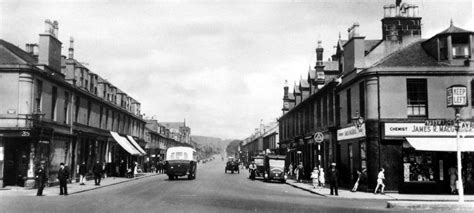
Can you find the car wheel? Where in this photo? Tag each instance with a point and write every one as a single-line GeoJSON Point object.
{"type": "Point", "coordinates": [170, 177]}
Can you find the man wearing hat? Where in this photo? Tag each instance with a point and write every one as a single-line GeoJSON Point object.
{"type": "Point", "coordinates": [333, 179]}
{"type": "Point", "coordinates": [63, 176]}
{"type": "Point", "coordinates": [40, 175]}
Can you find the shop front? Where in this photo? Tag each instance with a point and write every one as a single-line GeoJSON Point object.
{"type": "Point", "coordinates": [428, 156]}
{"type": "Point", "coordinates": [352, 155]}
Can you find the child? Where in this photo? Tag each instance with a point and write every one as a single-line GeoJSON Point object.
{"type": "Point", "coordinates": [322, 181]}
{"type": "Point", "coordinates": [315, 177]}
{"type": "Point", "coordinates": [380, 178]}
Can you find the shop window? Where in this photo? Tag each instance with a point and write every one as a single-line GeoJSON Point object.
{"type": "Point", "coordinates": [417, 97]}
{"type": "Point", "coordinates": [418, 166]}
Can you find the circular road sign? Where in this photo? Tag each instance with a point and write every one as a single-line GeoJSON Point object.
{"type": "Point", "coordinates": [318, 137]}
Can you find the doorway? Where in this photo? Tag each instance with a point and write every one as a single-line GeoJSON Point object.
{"type": "Point", "coordinates": [16, 162]}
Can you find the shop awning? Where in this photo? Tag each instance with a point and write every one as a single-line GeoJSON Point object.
{"type": "Point", "coordinates": [125, 144]}
{"type": "Point", "coordinates": [135, 144]}
{"type": "Point", "coordinates": [442, 144]}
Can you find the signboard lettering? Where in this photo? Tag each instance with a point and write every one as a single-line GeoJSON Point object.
{"type": "Point", "coordinates": [421, 129]}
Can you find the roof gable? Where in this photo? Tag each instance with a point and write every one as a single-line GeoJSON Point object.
{"type": "Point", "coordinates": [11, 54]}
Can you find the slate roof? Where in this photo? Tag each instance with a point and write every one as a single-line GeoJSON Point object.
{"type": "Point", "coordinates": [312, 74]}
{"type": "Point", "coordinates": [304, 83]}
{"type": "Point", "coordinates": [172, 125]}
{"type": "Point", "coordinates": [331, 66]}
{"type": "Point", "coordinates": [11, 54]}
{"type": "Point", "coordinates": [411, 56]}
{"type": "Point", "coordinates": [371, 44]}
{"type": "Point", "coordinates": [296, 90]}
{"type": "Point", "coordinates": [453, 29]}
{"type": "Point", "coordinates": [291, 96]}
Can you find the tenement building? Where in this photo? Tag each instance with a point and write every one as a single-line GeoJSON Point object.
{"type": "Point", "coordinates": [390, 107]}
{"type": "Point", "coordinates": [54, 109]}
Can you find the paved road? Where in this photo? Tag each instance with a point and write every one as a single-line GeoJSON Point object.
{"type": "Point", "coordinates": [212, 191]}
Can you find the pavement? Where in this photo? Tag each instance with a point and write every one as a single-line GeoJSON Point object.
{"type": "Point", "coordinates": [394, 200]}
{"type": "Point", "coordinates": [72, 188]}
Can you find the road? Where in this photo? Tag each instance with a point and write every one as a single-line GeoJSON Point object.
{"type": "Point", "coordinates": [212, 191]}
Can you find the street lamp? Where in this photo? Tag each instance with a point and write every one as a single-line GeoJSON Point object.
{"type": "Point", "coordinates": [358, 120]}
{"type": "Point", "coordinates": [457, 98]}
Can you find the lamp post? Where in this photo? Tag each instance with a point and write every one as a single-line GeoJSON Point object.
{"type": "Point", "coordinates": [457, 98]}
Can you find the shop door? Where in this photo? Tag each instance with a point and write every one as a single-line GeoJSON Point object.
{"type": "Point", "coordinates": [16, 163]}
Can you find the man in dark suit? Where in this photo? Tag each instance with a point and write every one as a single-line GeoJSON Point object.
{"type": "Point", "coordinates": [82, 172]}
{"type": "Point", "coordinates": [97, 170]}
{"type": "Point", "coordinates": [63, 176]}
{"type": "Point", "coordinates": [41, 179]}
{"type": "Point", "coordinates": [333, 179]}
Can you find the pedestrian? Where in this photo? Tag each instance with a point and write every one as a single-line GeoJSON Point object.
{"type": "Point", "coordinates": [333, 179]}
{"type": "Point", "coordinates": [315, 177]}
{"type": "Point", "coordinates": [322, 178]}
{"type": "Point", "coordinates": [63, 176]}
{"type": "Point", "coordinates": [453, 176]}
{"type": "Point", "coordinates": [105, 169]}
{"type": "Point", "coordinates": [134, 169]}
{"type": "Point", "coordinates": [359, 178]}
{"type": "Point", "coordinates": [82, 172]}
{"type": "Point", "coordinates": [380, 178]}
{"type": "Point", "coordinates": [41, 178]}
{"type": "Point", "coordinates": [299, 172]}
{"type": "Point", "coordinates": [290, 170]}
{"type": "Point", "coordinates": [97, 170]}
{"type": "Point", "coordinates": [122, 168]}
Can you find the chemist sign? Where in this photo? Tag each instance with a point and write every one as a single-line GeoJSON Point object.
{"type": "Point", "coordinates": [456, 96]}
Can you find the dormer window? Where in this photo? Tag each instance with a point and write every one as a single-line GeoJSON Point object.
{"type": "Point", "coordinates": [460, 46]}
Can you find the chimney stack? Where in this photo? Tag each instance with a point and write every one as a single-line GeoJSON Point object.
{"type": "Point", "coordinates": [71, 48]}
{"type": "Point", "coordinates": [319, 54]}
{"type": "Point", "coordinates": [354, 49]}
{"type": "Point", "coordinates": [401, 21]}
{"type": "Point", "coordinates": [50, 47]}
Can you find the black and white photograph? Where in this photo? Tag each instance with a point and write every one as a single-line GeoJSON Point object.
{"type": "Point", "coordinates": [236, 106]}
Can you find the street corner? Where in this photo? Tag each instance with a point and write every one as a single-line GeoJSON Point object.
{"type": "Point", "coordinates": [431, 205]}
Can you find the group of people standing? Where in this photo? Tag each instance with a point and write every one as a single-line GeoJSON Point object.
{"type": "Point", "coordinates": [318, 177]}
{"type": "Point", "coordinates": [42, 179]}
{"type": "Point", "coordinates": [99, 171]}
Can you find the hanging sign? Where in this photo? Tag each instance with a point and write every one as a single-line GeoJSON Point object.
{"type": "Point", "coordinates": [456, 96]}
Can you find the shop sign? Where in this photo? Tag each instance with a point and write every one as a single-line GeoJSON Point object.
{"type": "Point", "coordinates": [351, 133]}
{"type": "Point", "coordinates": [421, 129]}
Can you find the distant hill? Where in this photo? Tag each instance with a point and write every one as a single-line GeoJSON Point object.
{"type": "Point", "coordinates": [210, 145]}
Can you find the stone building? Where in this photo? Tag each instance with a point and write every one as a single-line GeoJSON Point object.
{"type": "Point", "coordinates": [55, 110]}
{"type": "Point", "coordinates": [390, 104]}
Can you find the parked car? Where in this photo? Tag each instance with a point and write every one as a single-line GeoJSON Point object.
{"type": "Point", "coordinates": [181, 161]}
{"type": "Point", "coordinates": [232, 166]}
{"type": "Point", "coordinates": [274, 168]}
{"type": "Point", "coordinates": [259, 162]}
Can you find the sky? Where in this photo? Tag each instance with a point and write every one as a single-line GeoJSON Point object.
{"type": "Point", "coordinates": [218, 64]}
